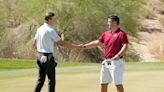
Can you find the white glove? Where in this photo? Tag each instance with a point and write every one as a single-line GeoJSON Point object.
{"type": "Point", "coordinates": [43, 59]}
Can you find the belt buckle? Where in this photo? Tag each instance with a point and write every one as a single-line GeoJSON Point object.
{"type": "Point", "coordinates": [109, 61]}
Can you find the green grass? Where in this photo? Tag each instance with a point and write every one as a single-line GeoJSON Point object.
{"type": "Point", "coordinates": [16, 64]}
{"type": "Point", "coordinates": [7, 64]}
{"type": "Point", "coordinates": [11, 64]}
{"type": "Point", "coordinates": [17, 75]}
{"type": "Point", "coordinates": [140, 66]}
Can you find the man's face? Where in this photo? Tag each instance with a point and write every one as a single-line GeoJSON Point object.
{"type": "Point", "coordinates": [52, 21]}
{"type": "Point", "coordinates": [111, 23]}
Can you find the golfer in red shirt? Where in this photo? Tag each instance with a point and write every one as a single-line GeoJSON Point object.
{"type": "Point", "coordinates": [116, 43]}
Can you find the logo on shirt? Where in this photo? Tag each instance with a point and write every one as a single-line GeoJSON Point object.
{"type": "Point", "coordinates": [115, 35]}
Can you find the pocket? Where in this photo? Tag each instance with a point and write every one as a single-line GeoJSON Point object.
{"type": "Point", "coordinates": [43, 59]}
{"type": "Point", "coordinates": [52, 60]}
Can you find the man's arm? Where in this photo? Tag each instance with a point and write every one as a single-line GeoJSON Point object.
{"type": "Point", "coordinates": [92, 44]}
{"type": "Point", "coordinates": [67, 45]}
{"type": "Point", "coordinates": [121, 52]}
{"type": "Point", "coordinates": [34, 44]}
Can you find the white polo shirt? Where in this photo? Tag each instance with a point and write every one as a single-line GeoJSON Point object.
{"type": "Point", "coordinates": [45, 38]}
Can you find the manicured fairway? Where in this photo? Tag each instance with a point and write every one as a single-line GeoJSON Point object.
{"type": "Point", "coordinates": [138, 77]}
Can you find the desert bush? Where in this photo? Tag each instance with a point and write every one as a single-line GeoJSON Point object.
{"type": "Point", "coordinates": [78, 21]}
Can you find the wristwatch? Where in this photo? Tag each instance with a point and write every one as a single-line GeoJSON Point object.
{"type": "Point", "coordinates": [119, 56]}
{"type": "Point", "coordinates": [84, 46]}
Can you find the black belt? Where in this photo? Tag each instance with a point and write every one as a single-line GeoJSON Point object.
{"type": "Point", "coordinates": [46, 54]}
{"type": "Point", "coordinates": [118, 58]}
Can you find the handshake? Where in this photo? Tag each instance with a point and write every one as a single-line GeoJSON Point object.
{"type": "Point", "coordinates": [81, 47]}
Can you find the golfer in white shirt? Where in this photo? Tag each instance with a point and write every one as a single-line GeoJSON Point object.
{"type": "Point", "coordinates": [44, 40]}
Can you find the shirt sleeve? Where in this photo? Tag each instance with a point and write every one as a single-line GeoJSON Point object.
{"type": "Point", "coordinates": [55, 36]}
{"type": "Point", "coordinates": [124, 38]}
{"type": "Point", "coordinates": [101, 38]}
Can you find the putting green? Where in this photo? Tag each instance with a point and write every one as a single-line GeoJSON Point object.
{"type": "Point", "coordinates": [80, 80]}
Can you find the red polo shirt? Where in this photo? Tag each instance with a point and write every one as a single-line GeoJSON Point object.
{"type": "Point", "coordinates": [113, 42]}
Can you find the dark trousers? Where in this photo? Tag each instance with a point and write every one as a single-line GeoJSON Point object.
{"type": "Point", "coordinates": [46, 68]}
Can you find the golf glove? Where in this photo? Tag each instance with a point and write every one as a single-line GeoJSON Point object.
{"type": "Point", "coordinates": [43, 59]}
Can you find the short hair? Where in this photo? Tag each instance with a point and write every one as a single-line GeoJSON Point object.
{"type": "Point", "coordinates": [49, 15]}
{"type": "Point", "coordinates": [115, 18]}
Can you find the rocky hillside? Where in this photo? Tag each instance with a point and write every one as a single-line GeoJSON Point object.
{"type": "Point", "coordinates": [150, 45]}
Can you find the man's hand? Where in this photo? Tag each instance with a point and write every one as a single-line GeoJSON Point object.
{"type": "Point", "coordinates": [80, 47]}
{"type": "Point", "coordinates": [116, 57]}
{"type": "Point", "coordinates": [34, 44]}
{"type": "Point", "coordinates": [121, 52]}
{"type": "Point", "coordinates": [92, 44]}
{"type": "Point", "coordinates": [68, 45]}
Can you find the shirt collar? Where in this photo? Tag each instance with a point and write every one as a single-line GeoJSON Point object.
{"type": "Point", "coordinates": [118, 29]}
{"type": "Point", "coordinates": [46, 24]}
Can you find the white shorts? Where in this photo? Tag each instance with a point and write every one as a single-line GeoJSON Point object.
{"type": "Point", "coordinates": [112, 72]}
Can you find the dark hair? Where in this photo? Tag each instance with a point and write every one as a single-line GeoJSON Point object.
{"type": "Point", "coordinates": [115, 18]}
{"type": "Point", "coordinates": [49, 15]}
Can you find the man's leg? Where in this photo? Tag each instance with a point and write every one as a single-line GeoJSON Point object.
{"type": "Point", "coordinates": [50, 71]}
{"type": "Point", "coordinates": [105, 78]}
{"type": "Point", "coordinates": [51, 79]}
{"type": "Point", "coordinates": [120, 88]}
{"type": "Point", "coordinates": [104, 87]}
{"type": "Point", "coordinates": [41, 77]}
{"type": "Point", "coordinates": [117, 74]}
